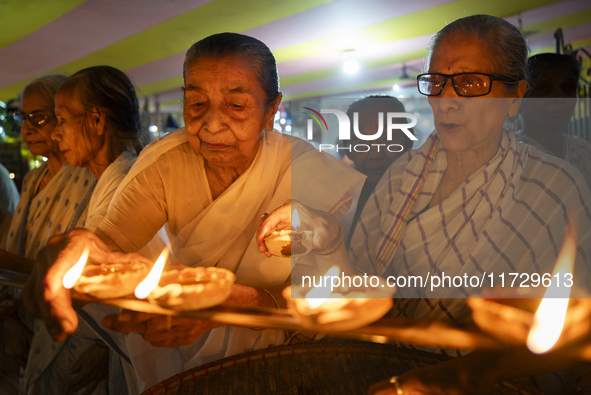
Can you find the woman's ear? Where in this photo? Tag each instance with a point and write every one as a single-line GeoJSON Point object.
{"type": "Point", "coordinates": [516, 100]}
{"type": "Point", "coordinates": [272, 111]}
{"type": "Point", "coordinates": [97, 120]}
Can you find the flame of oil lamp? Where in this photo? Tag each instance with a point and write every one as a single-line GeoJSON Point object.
{"type": "Point", "coordinates": [151, 281]}
{"type": "Point", "coordinates": [332, 307]}
{"type": "Point", "coordinates": [548, 322]}
{"type": "Point", "coordinates": [295, 219]}
{"type": "Point", "coordinates": [76, 271]}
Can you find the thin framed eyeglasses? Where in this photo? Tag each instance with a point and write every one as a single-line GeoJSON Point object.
{"type": "Point", "coordinates": [465, 84]}
{"type": "Point", "coordinates": [37, 119]}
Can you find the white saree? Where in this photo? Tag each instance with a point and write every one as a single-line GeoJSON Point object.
{"type": "Point", "coordinates": [575, 151]}
{"type": "Point", "coordinates": [49, 363]}
{"type": "Point", "coordinates": [59, 207]}
{"type": "Point", "coordinates": [170, 181]}
{"type": "Point", "coordinates": [510, 216]}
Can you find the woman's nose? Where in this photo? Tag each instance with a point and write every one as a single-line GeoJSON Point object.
{"type": "Point", "coordinates": [449, 90]}
{"type": "Point", "coordinates": [56, 134]}
{"type": "Point", "coordinates": [215, 119]}
{"type": "Point", "coordinates": [449, 98]}
{"type": "Point", "coordinates": [27, 128]}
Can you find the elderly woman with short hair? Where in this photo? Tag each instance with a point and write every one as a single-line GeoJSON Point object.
{"type": "Point", "coordinates": [209, 183]}
{"type": "Point", "coordinates": [99, 130]}
{"type": "Point", "coordinates": [42, 211]}
{"type": "Point", "coordinates": [53, 199]}
{"type": "Point", "coordinates": [471, 201]}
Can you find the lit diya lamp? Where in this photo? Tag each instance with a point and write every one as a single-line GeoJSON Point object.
{"type": "Point", "coordinates": [513, 319]}
{"type": "Point", "coordinates": [294, 242]}
{"type": "Point", "coordinates": [549, 319]}
{"type": "Point", "coordinates": [185, 288]}
{"type": "Point", "coordinates": [181, 289]}
{"type": "Point", "coordinates": [104, 281]}
{"type": "Point", "coordinates": [144, 288]}
{"type": "Point", "coordinates": [330, 307]}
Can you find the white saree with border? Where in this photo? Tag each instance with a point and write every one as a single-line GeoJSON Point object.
{"type": "Point", "coordinates": [221, 232]}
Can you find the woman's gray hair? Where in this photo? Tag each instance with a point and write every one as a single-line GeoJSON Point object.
{"type": "Point", "coordinates": [233, 44]}
{"type": "Point", "coordinates": [111, 90]}
{"type": "Point", "coordinates": [504, 42]}
{"type": "Point", "coordinates": [47, 86]}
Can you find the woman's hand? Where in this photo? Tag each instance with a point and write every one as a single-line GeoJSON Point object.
{"type": "Point", "coordinates": [92, 368]}
{"type": "Point", "coordinates": [160, 330]}
{"type": "Point", "coordinates": [325, 228]}
{"type": "Point", "coordinates": [44, 295]}
{"type": "Point", "coordinates": [17, 340]}
{"type": "Point", "coordinates": [168, 331]}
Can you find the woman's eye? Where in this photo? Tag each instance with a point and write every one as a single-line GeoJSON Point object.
{"type": "Point", "coordinates": [198, 105]}
{"type": "Point", "coordinates": [237, 106]}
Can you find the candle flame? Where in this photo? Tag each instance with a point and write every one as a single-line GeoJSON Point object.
{"type": "Point", "coordinates": [151, 281]}
{"type": "Point", "coordinates": [295, 221]}
{"type": "Point", "coordinates": [316, 296]}
{"type": "Point", "coordinates": [548, 322]}
{"type": "Point", "coordinates": [76, 271]}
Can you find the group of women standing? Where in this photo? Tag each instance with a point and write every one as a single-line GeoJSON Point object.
{"type": "Point", "coordinates": [88, 129]}
{"type": "Point", "coordinates": [470, 199]}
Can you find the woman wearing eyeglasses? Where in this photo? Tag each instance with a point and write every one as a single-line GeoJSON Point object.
{"type": "Point", "coordinates": [470, 203]}
{"type": "Point", "coordinates": [98, 129]}
{"type": "Point", "coordinates": [53, 200]}
{"type": "Point", "coordinates": [52, 196]}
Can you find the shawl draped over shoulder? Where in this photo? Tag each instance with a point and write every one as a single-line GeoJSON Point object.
{"type": "Point", "coordinates": [167, 192]}
{"type": "Point", "coordinates": [510, 216]}
{"type": "Point", "coordinates": [49, 363]}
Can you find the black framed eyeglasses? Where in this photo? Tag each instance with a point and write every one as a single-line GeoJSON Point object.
{"type": "Point", "coordinates": [37, 119]}
{"type": "Point", "coordinates": [465, 84]}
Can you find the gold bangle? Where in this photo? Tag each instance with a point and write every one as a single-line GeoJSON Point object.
{"type": "Point", "coordinates": [396, 383]}
{"type": "Point", "coordinates": [336, 247]}
{"type": "Point", "coordinates": [272, 297]}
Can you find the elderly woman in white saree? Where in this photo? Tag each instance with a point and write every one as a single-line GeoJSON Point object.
{"type": "Point", "coordinates": [471, 201]}
{"type": "Point", "coordinates": [98, 129]}
{"type": "Point", "coordinates": [208, 184]}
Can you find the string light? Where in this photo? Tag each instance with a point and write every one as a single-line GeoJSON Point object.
{"type": "Point", "coordinates": [351, 66]}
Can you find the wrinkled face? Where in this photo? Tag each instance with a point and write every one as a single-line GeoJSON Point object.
{"type": "Point", "coordinates": [76, 135]}
{"type": "Point", "coordinates": [470, 124]}
{"type": "Point", "coordinates": [38, 138]}
{"type": "Point", "coordinates": [552, 98]}
{"type": "Point", "coordinates": [374, 162]}
{"type": "Point", "coordinates": [225, 111]}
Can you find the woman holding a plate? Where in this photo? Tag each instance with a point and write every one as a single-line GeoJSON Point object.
{"type": "Point", "coordinates": [207, 186]}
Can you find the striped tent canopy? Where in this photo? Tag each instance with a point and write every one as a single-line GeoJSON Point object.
{"type": "Point", "coordinates": [311, 39]}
